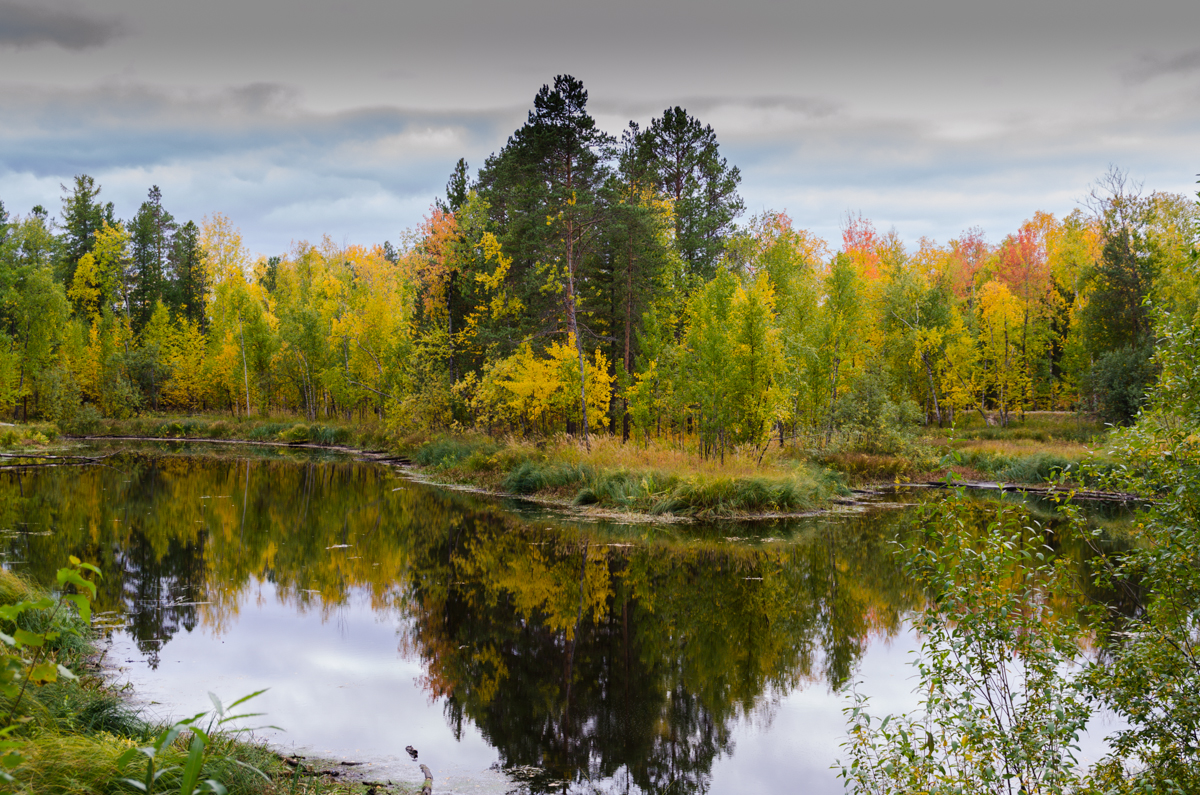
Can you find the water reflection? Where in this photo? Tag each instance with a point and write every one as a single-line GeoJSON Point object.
{"type": "Point", "coordinates": [605, 659]}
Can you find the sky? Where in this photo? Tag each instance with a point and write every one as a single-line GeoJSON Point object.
{"type": "Point", "coordinates": [299, 119]}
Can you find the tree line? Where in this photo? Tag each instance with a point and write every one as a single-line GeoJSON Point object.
{"type": "Point", "coordinates": [584, 282]}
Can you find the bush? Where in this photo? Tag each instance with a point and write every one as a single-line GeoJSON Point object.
{"type": "Point", "coordinates": [59, 396]}
{"type": "Point", "coordinates": [1036, 468]}
{"type": "Point", "coordinates": [85, 422]}
{"type": "Point", "coordinates": [533, 476]}
{"type": "Point", "coordinates": [1120, 380]}
{"type": "Point", "coordinates": [871, 422]}
{"type": "Point", "coordinates": [448, 451]}
{"type": "Point", "coordinates": [1000, 710]}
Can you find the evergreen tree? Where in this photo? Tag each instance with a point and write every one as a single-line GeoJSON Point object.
{"type": "Point", "coordinates": [457, 188]}
{"type": "Point", "coordinates": [151, 232]}
{"type": "Point", "coordinates": [190, 293]}
{"type": "Point", "coordinates": [82, 217]}
{"type": "Point", "coordinates": [545, 184]}
{"type": "Point", "coordinates": [702, 184]}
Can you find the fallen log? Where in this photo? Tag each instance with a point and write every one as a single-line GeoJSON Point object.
{"type": "Point", "coordinates": [427, 787]}
{"type": "Point", "coordinates": [1028, 488]}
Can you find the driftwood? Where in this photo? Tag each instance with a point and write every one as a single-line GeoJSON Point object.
{"type": "Point", "coordinates": [47, 457]}
{"type": "Point", "coordinates": [36, 460]}
{"type": "Point", "coordinates": [1048, 491]}
{"type": "Point", "coordinates": [427, 787]}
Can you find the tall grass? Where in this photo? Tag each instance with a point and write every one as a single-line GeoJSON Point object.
{"type": "Point", "coordinates": [72, 732]}
{"type": "Point", "coordinates": [654, 479]}
{"type": "Point", "coordinates": [292, 431]}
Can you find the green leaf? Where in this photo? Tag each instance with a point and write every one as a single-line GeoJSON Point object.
{"type": "Point", "coordinates": [191, 770]}
{"type": "Point", "coordinates": [244, 699]}
{"type": "Point", "coordinates": [81, 604]}
{"type": "Point", "coordinates": [127, 757]}
{"type": "Point", "coordinates": [26, 638]}
{"type": "Point", "coordinates": [89, 567]}
{"type": "Point", "coordinates": [44, 672]}
{"type": "Point", "coordinates": [72, 577]}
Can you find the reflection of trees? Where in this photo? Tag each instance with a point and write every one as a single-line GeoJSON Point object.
{"type": "Point", "coordinates": [638, 677]}
{"type": "Point", "coordinates": [584, 658]}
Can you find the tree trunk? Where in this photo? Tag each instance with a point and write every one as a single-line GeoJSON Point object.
{"type": "Point", "coordinates": [837, 364]}
{"type": "Point", "coordinates": [573, 326]}
{"type": "Point", "coordinates": [245, 369]}
{"type": "Point", "coordinates": [932, 389]}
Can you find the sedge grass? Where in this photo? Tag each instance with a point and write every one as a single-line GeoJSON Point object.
{"type": "Point", "coordinates": [654, 478]}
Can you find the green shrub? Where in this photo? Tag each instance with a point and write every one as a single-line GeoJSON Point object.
{"type": "Point", "coordinates": [85, 422]}
{"type": "Point", "coordinates": [1033, 469]}
{"type": "Point", "coordinates": [530, 477]}
{"type": "Point", "coordinates": [271, 431]}
{"type": "Point", "coordinates": [448, 451]}
{"type": "Point", "coordinates": [219, 430]}
{"type": "Point", "coordinates": [296, 434]}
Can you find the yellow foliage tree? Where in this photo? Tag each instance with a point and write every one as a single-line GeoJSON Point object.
{"type": "Point", "coordinates": [541, 391]}
{"type": "Point", "coordinates": [1001, 316]}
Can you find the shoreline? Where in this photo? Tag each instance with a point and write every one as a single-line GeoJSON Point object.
{"type": "Point", "coordinates": [833, 504]}
{"type": "Point", "coordinates": [851, 503]}
{"type": "Point", "coordinates": [425, 476]}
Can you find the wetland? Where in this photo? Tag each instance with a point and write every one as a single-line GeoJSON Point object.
{"type": "Point", "coordinates": [516, 648]}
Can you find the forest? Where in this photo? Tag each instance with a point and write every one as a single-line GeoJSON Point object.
{"type": "Point", "coordinates": [588, 283]}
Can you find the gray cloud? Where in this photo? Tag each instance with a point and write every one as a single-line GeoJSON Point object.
{"type": "Point", "coordinates": [1153, 66]}
{"type": "Point", "coordinates": [304, 119]}
{"type": "Point", "coordinates": [283, 171]}
{"type": "Point", "coordinates": [24, 25]}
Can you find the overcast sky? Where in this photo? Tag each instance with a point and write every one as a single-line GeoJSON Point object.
{"type": "Point", "coordinates": [300, 118]}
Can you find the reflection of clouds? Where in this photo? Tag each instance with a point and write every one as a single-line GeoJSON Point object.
{"type": "Point", "coordinates": [335, 689]}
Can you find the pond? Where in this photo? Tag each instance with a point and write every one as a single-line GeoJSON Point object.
{"type": "Point", "coordinates": [514, 648]}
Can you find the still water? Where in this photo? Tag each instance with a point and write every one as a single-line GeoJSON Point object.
{"type": "Point", "coordinates": [516, 650]}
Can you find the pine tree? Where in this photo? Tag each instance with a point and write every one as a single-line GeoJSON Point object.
{"type": "Point", "coordinates": [151, 233]}
{"type": "Point", "coordinates": [82, 217]}
{"type": "Point", "coordinates": [702, 185]}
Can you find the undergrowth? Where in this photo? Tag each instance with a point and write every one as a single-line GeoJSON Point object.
{"type": "Point", "coordinates": [646, 479]}
{"type": "Point", "coordinates": [72, 733]}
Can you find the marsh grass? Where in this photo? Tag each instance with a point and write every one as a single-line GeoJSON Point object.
{"type": "Point", "coordinates": [1039, 447]}
{"type": "Point", "coordinates": [657, 479]}
{"type": "Point", "coordinates": [366, 435]}
{"type": "Point", "coordinates": [33, 435]}
{"type": "Point", "coordinates": [1037, 426]}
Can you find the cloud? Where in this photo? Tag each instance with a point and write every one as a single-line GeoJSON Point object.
{"type": "Point", "coordinates": [281, 171]}
{"type": "Point", "coordinates": [286, 171]}
{"type": "Point", "coordinates": [1152, 66]}
{"type": "Point", "coordinates": [28, 26]}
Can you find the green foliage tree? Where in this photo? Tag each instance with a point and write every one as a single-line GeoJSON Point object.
{"type": "Point", "coordinates": [82, 217]}
{"type": "Point", "coordinates": [150, 232]}
{"type": "Point", "coordinates": [701, 184]}
{"type": "Point", "coordinates": [998, 715]}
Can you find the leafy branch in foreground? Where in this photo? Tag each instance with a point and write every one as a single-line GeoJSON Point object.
{"type": "Point", "coordinates": [1150, 672]}
{"type": "Point", "coordinates": [998, 713]}
{"type": "Point", "coordinates": [18, 667]}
